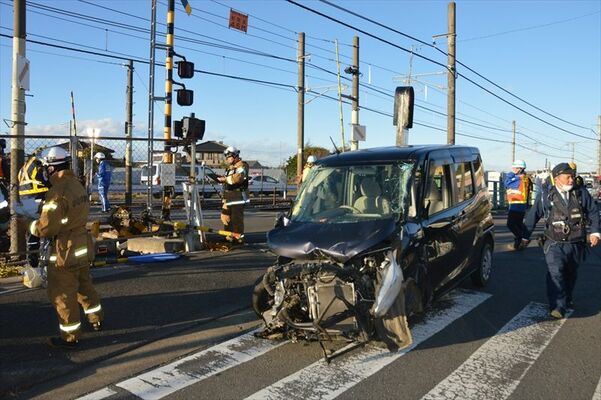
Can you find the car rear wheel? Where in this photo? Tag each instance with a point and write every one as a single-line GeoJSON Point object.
{"type": "Point", "coordinates": [481, 275]}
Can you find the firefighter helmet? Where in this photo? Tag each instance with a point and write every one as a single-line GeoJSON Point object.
{"type": "Point", "coordinates": [311, 159]}
{"type": "Point", "coordinates": [231, 151]}
{"type": "Point", "coordinates": [55, 156]}
{"type": "Point", "coordinates": [100, 156]}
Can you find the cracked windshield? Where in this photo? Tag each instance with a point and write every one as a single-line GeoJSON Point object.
{"type": "Point", "coordinates": [346, 194]}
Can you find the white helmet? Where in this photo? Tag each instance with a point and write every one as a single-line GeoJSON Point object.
{"type": "Point", "coordinates": [231, 151]}
{"type": "Point", "coordinates": [55, 156]}
{"type": "Point", "coordinates": [311, 159]}
{"type": "Point", "coordinates": [519, 164]}
{"type": "Point", "coordinates": [100, 155]}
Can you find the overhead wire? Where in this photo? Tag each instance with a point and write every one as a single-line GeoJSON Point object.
{"type": "Point", "coordinates": [460, 63]}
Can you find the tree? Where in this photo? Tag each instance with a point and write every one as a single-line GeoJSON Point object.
{"type": "Point", "coordinates": [309, 150]}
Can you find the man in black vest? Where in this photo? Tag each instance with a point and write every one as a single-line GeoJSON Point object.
{"type": "Point", "coordinates": [567, 210]}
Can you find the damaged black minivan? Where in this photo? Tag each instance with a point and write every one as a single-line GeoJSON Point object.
{"type": "Point", "coordinates": [373, 237]}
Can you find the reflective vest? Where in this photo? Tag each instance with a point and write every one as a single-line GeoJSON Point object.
{"type": "Point", "coordinates": [521, 195]}
{"type": "Point", "coordinates": [565, 223]}
{"type": "Point", "coordinates": [31, 181]}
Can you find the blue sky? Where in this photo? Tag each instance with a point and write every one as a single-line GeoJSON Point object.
{"type": "Point", "coordinates": [546, 52]}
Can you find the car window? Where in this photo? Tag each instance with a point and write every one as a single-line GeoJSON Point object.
{"type": "Point", "coordinates": [270, 179]}
{"type": "Point", "coordinates": [464, 181]}
{"type": "Point", "coordinates": [439, 193]}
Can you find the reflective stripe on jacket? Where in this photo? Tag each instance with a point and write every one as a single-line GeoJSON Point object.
{"type": "Point", "coordinates": [236, 176]}
{"type": "Point", "coordinates": [518, 189]}
{"type": "Point", "coordinates": [63, 217]}
{"type": "Point", "coordinates": [30, 178]}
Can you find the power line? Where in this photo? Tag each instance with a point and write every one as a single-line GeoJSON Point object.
{"type": "Point", "coordinates": [144, 61]}
{"type": "Point", "coordinates": [462, 64]}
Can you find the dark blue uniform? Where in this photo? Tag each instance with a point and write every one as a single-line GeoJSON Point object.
{"type": "Point", "coordinates": [565, 234]}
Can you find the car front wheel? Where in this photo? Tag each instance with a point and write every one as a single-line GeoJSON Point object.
{"type": "Point", "coordinates": [481, 275]}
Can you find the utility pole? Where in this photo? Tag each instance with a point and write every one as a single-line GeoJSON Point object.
{"type": "Point", "coordinates": [573, 145]}
{"type": "Point", "coordinates": [128, 130]}
{"type": "Point", "coordinates": [73, 139]}
{"type": "Point", "coordinates": [355, 92]}
{"type": "Point", "coordinates": [340, 97]}
{"type": "Point", "coordinates": [451, 75]}
{"type": "Point", "coordinates": [151, 99]}
{"type": "Point", "coordinates": [17, 142]}
{"type": "Point", "coordinates": [513, 143]}
{"type": "Point", "coordinates": [300, 122]}
{"type": "Point", "coordinates": [599, 149]}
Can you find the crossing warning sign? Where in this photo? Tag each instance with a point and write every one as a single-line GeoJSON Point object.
{"type": "Point", "coordinates": [238, 21]}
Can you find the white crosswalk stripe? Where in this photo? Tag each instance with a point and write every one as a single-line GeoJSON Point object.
{"type": "Point", "coordinates": [177, 375]}
{"type": "Point", "coordinates": [597, 394]}
{"type": "Point", "coordinates": [326, 381]}
{"type": "Point", "coordinates": [496, 368]}
{"type": "Point", "coordinates": [163, 381]}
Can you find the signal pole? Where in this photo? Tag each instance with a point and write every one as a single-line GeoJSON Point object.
{"type": "Point", "coordinates": [355, 92]}
{"type": "Point", "coordinates": [17, 142]}
{"type": "Point", "coordinates": [300, 119]}
{"type": "Point", "coordinates": [451, 75]}
{"type": "Point", "coordinates": [167, 159]}
{"type": "Point", "coordinates": [128, 131]}
{"type": "Point", "coordinates": [513, 143]}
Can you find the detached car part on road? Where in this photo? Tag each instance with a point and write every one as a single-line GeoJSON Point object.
{"type": "Point", "coordinates": [373, 237]}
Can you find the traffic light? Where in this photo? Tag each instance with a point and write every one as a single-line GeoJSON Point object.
{"type": "Point", "coordinates": [185, 69]}
{"type": "Point", "coordinates": [185, 97]}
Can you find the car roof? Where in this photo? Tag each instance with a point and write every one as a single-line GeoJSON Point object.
{"type": "Point", "coordinates": [394, 153]}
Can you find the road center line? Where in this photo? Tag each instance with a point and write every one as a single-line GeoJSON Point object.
{"type": "Point", "coordinates": [495, 370]}
{"type": "Point", "coordinates": [322, 381]}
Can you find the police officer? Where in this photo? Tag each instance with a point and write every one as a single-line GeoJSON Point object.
{"type": "Point", "coordinates": [235, 185]}
{"type": "Point", "coordinates": [518, 188]}
{"type": "Point", "coordinates": [104, 180]}
{"type": "Point", "coordinates": [567, 210]}
{"type": "Point", "coordinates": [63, 219]}
{"type": "Point", "coordinates": [33, 183]}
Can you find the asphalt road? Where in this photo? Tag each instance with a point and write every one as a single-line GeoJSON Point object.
{"type": "Point", "coordinates": [179, 330]}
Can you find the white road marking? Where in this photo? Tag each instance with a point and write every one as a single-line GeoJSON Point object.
{"type": "Point", "coordinates": [597, 394]}
{"type": "Point", "coordinates": [326, 381]}
{"type": "Point", "coordinates": [497, 367]}
{"type": "Point", "coordinates": [99, 394]}
{"type": "Point", "coordinates": [192, 369]}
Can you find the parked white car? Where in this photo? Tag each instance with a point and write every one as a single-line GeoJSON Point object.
{"type": "Point", "coordinates": [205, 185]}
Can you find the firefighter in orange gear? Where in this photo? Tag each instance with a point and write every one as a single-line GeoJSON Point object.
{"type": "Point", "coordinates": [63, 219]}
{"type": "Point", "coordinates": [235, 192]}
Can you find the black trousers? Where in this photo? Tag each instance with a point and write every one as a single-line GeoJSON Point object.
{"type": "Point", "coordinates": [515, 223]}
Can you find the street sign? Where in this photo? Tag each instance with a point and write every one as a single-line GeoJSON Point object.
{"type": "Point", "coordinates": [23, 72]}
{"type": "Point", "coordinates": [238, 21]}
{"type": "Point", "coordinates": [359, 132]}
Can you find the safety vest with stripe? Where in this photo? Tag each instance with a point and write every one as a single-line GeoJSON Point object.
{"type": "Point", "coordinates": [30, 178]}
{"type": "Point", "coordinates": [520, 195]}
